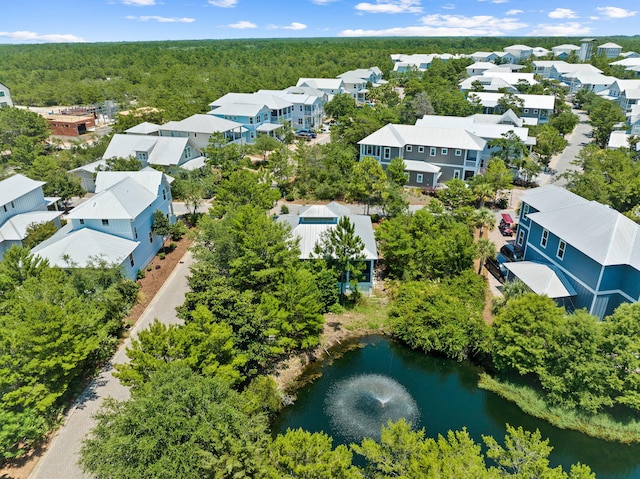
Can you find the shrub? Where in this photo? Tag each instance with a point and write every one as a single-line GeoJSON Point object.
{"type": "Point", "coordinates": [162, 255]}
{"type": "Point", "coordinates": [284, 210]}
{"type": "Point", "coordinates": [140, 274]}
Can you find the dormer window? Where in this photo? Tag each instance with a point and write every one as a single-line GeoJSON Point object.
{"type": "Point", "coordinates": [105, 222]}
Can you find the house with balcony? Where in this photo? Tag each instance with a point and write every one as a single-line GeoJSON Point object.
{"type": "Point", "coordinates": [312, 222]}
{"type": "Point", "coordinates": [371, 75]}
{"type": "Point", "coordinates": [259, 113]}
{"type": "Point", "coordinates": [115, 225]}
{"type": "Point", "coordinates": [5, 96]}
{"type": "Point", "coordinates": [22, 204]}
{"type": "Point", "coordinates": [308, 106]}
{"type": "Point", "coordinates": [625, 92]}
{"type": "Point", "coordinates": [457, 152]}
{"type": "Point", "coordinates": [535, 108]}
{"type": "Point", "coordinates": [587, 251]}
{"type": "Point", "coordinates": [200, 128]}
{"type": "Point", "coordinates": [519, 52]}
{"type": "Point", "coordinates": [498, 79]}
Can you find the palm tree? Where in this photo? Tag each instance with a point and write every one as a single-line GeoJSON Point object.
{"type": "Point", "coordinates": [483, 192]}
{"type": "Point", "coordinates": [484, 249]}
{"type": "Point", "coordinates": [484, 218]}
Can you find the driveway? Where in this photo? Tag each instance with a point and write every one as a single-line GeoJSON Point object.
{"type": "Point", "coordinates": [561, 163]}
{"type": "Point", "coordinates": [59, 462]}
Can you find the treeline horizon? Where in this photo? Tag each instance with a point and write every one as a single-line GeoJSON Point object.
{"type": "Point", "coordinates": [182, 76]}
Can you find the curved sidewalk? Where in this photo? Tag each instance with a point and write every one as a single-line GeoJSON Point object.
{"type": "Point", "coordinates": [60, 460]}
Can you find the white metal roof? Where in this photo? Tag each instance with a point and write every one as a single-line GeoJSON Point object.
{"type": "Point", "coordinates": [479, 128]}
{"type": "Point", "coordinates": [401, 135]}
{"type": "Point", "coordinates": [123, 200]}
{"type": "Point", "coordinates": [609, 45]}
{"type": "Point", "coordinates": [80, 248]}
{"type": "Point", "coordinates": [544, 102]}
{"type": "Point", "coordinates": [596, 230]}
{"type": "Point", "coordinates": [161, 150]}
{"type": "Point", "coordinates": [420, 166]}
{"type": "Point", "coordinates": [16, 186]}
{"type": "Point", "coordinates": [15, 228]}
{"type": "Point", "coordinates": [551, 197]}
{"type": "Point", "coordinates": [201, 123]}
{"type": "Point", "coordinates": [90, 167]}
{"type": "Point", "coordinates": [148, 178]}
{"type": "Point", "coordinates": [311, 233]}
{"type": "Point", "coordinates": [321, 83]}
{"type": "Point", "coordinates": [541, 278]}
{"type": "Point", "coordinates": [145, 128]}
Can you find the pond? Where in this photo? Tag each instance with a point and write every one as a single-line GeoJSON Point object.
{"type": "Point", "coordinates": [447, 398]}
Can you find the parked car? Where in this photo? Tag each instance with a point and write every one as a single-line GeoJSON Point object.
{"type": "Point", "coordinates": [304, 136]}
{"type": "Point", "coordinates": [306, 132]}
{"type": "Point", "coordinates": [505, 228]}
{"type": "Point", "coordinates": [496, 267]}
{"type": "Point", "coordinates": [511, 253]}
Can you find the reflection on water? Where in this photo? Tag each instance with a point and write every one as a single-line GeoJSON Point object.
{"type": "Point", "coordinates": [447, 398]}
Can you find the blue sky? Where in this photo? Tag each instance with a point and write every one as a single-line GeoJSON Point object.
{"type": "Point", "coordinates": [43, 21]}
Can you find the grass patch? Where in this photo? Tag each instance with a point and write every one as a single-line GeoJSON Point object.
{"type": "Point", "coordinates": [624, 429]}
{"type": "Point", "coordinates": [370, 312]}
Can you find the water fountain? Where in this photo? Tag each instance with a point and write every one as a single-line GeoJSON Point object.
{"type": "Point", "coordinates": [359, 406]}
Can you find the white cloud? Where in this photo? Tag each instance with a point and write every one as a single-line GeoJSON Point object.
{"type": "Point", "coordinates": [615, 12]}
{"type": "Point", "coordinates": [322, 2]}
{"type": "Point", "coordinates": [514, 12]}
{"type": "Point", "coordinates": [156, 18]}
{"type": "Point", "coordinates": [47, 38]}
{"type": "Point", "coordinates": [563, 13]}
{"type": "Point", "coordinates": [560, 30]}
{"type": "Point", "coordinates": [295, 26]}
{"type": "Point", "coordinates": [449, 6]}
{"type": "Point", "coordinates": [594, 18]}
{"type": "Point", "coordinates": [447, 25]}
{"type": "Point", "coordinates": [223, 3]}
{"type": "Point", "coordinates": [242, 25]}
{"type": "Point", "coordinates": [139, 3]}
{"type": "Point", "coordinates": [390, 6]}
{"type": "Point", "coordinates": [499, 1]}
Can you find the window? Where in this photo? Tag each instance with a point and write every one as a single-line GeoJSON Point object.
{"type": "Point", "coordinates": [535, 112]}
{"type": "Point", "coordinates": [419, 178]}
{"type": "Point", "coordinates": [432, 152]}
{"type": "Point", "coordinates": [525, 211]}
{"type": "Point", "coordinates": [544, 239]}
{"type": "Point", "coordinates": [408, 147]}
{"type": "Point", "coordinates": [251, 120]}
{"type": "Point", "coordinates": [131, 259]}
{"type": "Point", "coordinates": [456, 174]}
{"type": "Point", "coordinates": [164, 194]}
{"type": "Point", "coordinates": [4, 207]}
{"type": "Point", "coordinates": [421, 149]}
{"type": "Point", "coordinates": [444, 151]}
{"type": "Point", "coordinates": [81, 221]}
{"type": "Point", "coordinates": [458, 152]}
{"type": "Point", "coordinates": [387, 153]}
{"type": "Point", "coordinates": [13, 205]}
{"type": "Point", "coordinates": [135, 232]}
{"type": "Point", "coordinates": [105, 222]}
{"type": "Point", "coordinates": [526, 110]}
{"type": "Point", "coordinates": [520, 237]}
{"type": "Point", "coordinates": [150, 237]}
{"type": "Point", "coordinates": [561, 247]}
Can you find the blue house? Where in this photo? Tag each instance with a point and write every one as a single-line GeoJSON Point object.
{"type": "Point", "coordinates": [588, 252]}
{"type": "Point", "coordinates": [115, 225]}
{"type": "Point", "coordinates": [22, 204]}
{"type": "Point", "coordinates": [313, 221]}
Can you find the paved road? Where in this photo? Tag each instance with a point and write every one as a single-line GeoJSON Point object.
{"type": "Point", "coordinates": [59, 462]}
{"type": "Point", "coordinates": [562, 163]}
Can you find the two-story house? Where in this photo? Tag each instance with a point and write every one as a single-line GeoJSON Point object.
{"type": "Point", "coordinates": [330, 86]}
{"type": "Point", "coordinates": [535, 108]}
{"type": "Point", "coordinates": [563, 51]}
{"type": "Point", "coordinates": [519, 52]}
{"type": "Point", "coordinates": [22, 204]}
{"type": "Point", "coordinates": [5, 96]}
{"type": "Point", "coordinates": [114, 225]}
{"type": "Point", "coordinates": [625, 92]}
{"type": "Point", "coordinates": [610, 50]}
{"type": "Point", "coordinates": [308, 105]}
{"type": "Point", "coordinates": [257, 112]}
{"type": "Point", "coordinates": [586, 247]}
{"type": "Point", "coordinates": [311, 223]}
{"type": "Point", "coordinates": [455, 151]}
